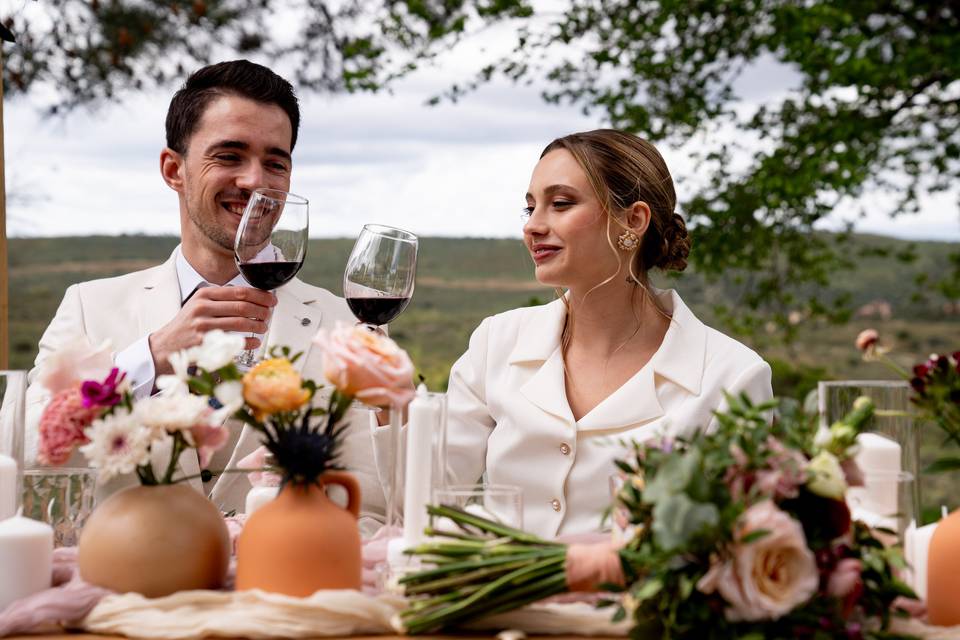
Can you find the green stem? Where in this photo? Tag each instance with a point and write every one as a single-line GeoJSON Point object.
{"type": "Point", "coordinates": [453, 567]}
{"type": "Point", "coordinates": [461, 516]}
{"type": "Point", "coordinates": [467, 577]}
{"type": "Point", "coordinates": [893, 366]}
{"type": "Point", "coordinates": [217, 473]}
{"type": "Point", "coordinates": [178, 445]}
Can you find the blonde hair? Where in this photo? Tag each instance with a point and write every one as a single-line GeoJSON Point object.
{"type": "Point", "coordinates": [624, 169]}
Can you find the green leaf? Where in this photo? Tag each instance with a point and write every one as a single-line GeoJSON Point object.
{"type": "Point", "coordinates": [753, 536]}
{"type": "Point", "coordinates": [677, 519]}
{"type": "Point", "coordinates": [674, 477]}
{"type": "Point", "coordinates": [648, 589]}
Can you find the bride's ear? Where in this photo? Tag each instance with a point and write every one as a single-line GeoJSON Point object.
{"type": "Point", "coordinates": [638, 217]}
{"type": "Point", "coordinates": [171, 169]}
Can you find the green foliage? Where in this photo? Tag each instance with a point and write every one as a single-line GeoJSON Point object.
{"type": "Point", "coordinates": [875, 107]}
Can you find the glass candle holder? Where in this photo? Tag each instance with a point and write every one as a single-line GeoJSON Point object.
{"type": "Point", "coordinates": [62, 497]}
{"type": "Point", "coordinates": [890, 442]}
{"type": "Point", "coordinates": [499, 502]}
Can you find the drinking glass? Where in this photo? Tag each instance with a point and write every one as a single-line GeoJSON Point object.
{"type": "Point", "coordinates": [61, 497]}
{"type": "Point", "coordinates": [379, 278]}
{"type": "Point", "coordinates": [13, 386]}
{"type": "Point", "coordinates": [502, 503]}
{"type": "Point", "coordinates": [899, 451]}
{"type": "Point", "coordinates": [271, 245]}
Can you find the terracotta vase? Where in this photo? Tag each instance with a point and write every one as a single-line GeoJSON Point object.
{"type": "Point", "coordinates": [943, 572]}
{"type": "Point", "coordinates": [155, 540]}
{"type": "Point", "coordinates": [302, 542]}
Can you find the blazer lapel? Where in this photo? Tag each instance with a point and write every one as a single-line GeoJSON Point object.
{"type": "Point", "coordinates": [632, 404]}
{"type": "Point", "coordinates": [295, 321]}
{"type": "Point", "coordinates": [160, 297]}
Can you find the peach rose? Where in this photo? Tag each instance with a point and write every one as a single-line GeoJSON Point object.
{"type": "Point", "coordinates": [768, 577]}
{"type": "Point", "coordinates": [366, 365]}
{"type": "Point", "coordinates": [273, 386]}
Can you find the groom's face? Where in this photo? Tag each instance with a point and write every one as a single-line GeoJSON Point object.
{"type": "Point", "coordinates": [238, 146]}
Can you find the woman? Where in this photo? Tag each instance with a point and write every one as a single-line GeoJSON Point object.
{"type": "Point", "coordinates": [544, 395]}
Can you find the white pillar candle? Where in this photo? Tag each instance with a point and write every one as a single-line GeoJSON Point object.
{"type": "Point", "coordinates": [26, 555]}
{"type": "Point", "coordinates": [423, 416]}
{"type": "Point", "coordinates": [8, 487]}
{"type": "Point", "coordinates": [259, 496]}
{"type": "Point", "coordinates": [879, 459]}
{"type": "Point", "coordinates": [916, 543]}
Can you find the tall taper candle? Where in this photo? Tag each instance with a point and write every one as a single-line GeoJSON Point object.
{"type": "Point", "coordinates": [423, 418]}
{"type": "Point", "coordinates": [26, 555]}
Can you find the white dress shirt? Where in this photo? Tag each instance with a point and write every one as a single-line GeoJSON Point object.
{"type": "Point", "coordinates": [137, 359]}
{"type": "Point", "coordinates": [509, 417]}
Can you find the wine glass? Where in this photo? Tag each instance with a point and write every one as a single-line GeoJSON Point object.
{"type": "Point", "coordinates": [379, 279]}
{"type": "Point", "coordinates": [271, 244]}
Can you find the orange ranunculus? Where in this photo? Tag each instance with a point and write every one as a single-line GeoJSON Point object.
{"type": "Point", "coordinates": [273, 386]}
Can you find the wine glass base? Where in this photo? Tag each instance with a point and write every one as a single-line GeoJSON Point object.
{"type": "Point", "coordinates": [247, 359]}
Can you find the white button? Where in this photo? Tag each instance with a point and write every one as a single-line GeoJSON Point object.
{"type": "Point", "coordinates": [564, 448]}
{"type": "Point", "coordinates": [555, 504]}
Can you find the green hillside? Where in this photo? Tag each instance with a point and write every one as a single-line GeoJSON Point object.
{"type": "Point", "coordinates": [460, 281]}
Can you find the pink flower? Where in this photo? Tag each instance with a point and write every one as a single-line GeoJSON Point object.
{"type": "Point", "coordinates": [845, 578]}
{"type": "Point", "coordinates": [867, 339]}
{"type": "Point", "coordinates": [258, 460]}
{"type": "Point", "coordinates": [208, 439]}
{"type": "Point", "coordinates": [366, 365]}
{"type": "Point", "coordinates": [768, 577]}
{"type": "Point", "coordinates": [62, 424]}
{"type": "Point", "coordinates": [102, 394]}
{"type": "Point", "coordinates": [71, 365]}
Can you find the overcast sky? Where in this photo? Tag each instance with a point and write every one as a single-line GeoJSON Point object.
{"type": "Point", "coordinates": [452, 170]}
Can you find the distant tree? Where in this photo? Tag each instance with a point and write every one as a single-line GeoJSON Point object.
{"type": "Point", "coordinates": [877, 105]}
{"type": "Point", "coordinates": [85, 52]}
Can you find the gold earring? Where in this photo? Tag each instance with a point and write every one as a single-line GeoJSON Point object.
{"type": "Point", "coordinates": [628, 241]}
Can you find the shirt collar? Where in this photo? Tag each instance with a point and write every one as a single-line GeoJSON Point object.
{"type": "Point", "coordinates": [680, 358]}
{"type": "Point", "coordinates": [189, 278]}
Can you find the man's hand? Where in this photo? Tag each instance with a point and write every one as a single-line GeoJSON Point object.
{"type": "Point", "coordinates": [240, 309]}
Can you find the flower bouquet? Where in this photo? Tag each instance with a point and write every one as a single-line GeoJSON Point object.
{"type": "Point", "coordinates": [92, 409]}
{"type": "Point", "coordinates": [301, 541]}
{"type": "Point", "coordinates": [742, 532]}
{"type": "Point", "coordinates": [935, 392]}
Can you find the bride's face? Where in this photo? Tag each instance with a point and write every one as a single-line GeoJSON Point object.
{"type": "Point", "coordinates": [566, 231]}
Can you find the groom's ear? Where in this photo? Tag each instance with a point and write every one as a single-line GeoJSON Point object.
{"type": "Point", "coordinates": [171, 168]}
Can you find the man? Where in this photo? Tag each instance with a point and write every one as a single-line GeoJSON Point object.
{"type": "Point", "coordinates": [230, 129]}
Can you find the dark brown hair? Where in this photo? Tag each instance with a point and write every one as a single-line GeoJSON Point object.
{"type": "Point", "coordinates": [624, 169]}
{"type": "Point", "coordinates": [236, 77]}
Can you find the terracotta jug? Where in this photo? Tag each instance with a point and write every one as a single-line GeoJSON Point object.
{"type": "Point", "coordinates": [302, 542]}
{"type": "Point", "coordinates": [943, 572]}
{"type": "Point", "coordinates": [155, 540]}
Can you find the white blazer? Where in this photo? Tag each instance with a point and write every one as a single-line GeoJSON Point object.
{"type": "Point", "coordinates": [126, 308]}
{"type": "Point", "coordinates": [509, 416]}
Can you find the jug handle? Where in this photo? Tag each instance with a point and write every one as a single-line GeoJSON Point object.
{"type": "Point", "coordinates": [349, 483]}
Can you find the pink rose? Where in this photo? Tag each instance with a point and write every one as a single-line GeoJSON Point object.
{"type": "Point", "coordinates": [208, 439]}
{"type": "Point", "coordinates": [62, 424]}
{"type": "Point", "coordinates": [366, 365]}
{"type": "Point", "coordinates": [768, 577]}
{"type": "Point", "coordinates": [867, 339]}
{"type": "Point", "coordinates": [256, 461]}
{"type": "Point", "coordinates": [71, 365]}
{"type": "Point", "coordinates": [845, 578]}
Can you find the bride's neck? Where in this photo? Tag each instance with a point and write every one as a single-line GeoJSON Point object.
{"type": "Point", "coordinates": [608, 317]}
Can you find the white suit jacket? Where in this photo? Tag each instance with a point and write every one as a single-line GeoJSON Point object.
{"type": "Point", "coordinates": [509, 416]}
{"type": "Point", "coordinates": [126, 308]}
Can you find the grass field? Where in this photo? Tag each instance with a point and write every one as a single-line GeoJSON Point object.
{"type": "Point", "coordinates": [461, 281]}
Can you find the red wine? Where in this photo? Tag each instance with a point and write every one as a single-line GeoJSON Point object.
{"type": "Point", "coordinates": [377, 310]}
{"type": "Point", "coordinates": [268, 275]}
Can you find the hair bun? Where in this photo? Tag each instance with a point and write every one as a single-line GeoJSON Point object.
{"type": "Point", "coordinates": [676, 245]}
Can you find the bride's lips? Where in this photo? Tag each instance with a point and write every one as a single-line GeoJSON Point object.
{"type": "Point", "coordinates": [543, 252]}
